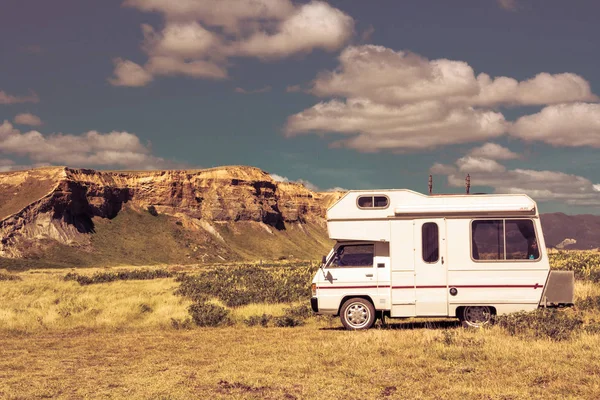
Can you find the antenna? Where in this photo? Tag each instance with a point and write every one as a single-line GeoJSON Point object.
{"type": "Point", "coordinates": [430, 184]}
{"type": "Point", "coordinates": [468, 183]}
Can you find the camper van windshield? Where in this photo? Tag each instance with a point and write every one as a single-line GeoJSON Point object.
{"type": "Point", "coordinates": [504, 239]}
{"type": "Point", "coordinates": [357, 255]}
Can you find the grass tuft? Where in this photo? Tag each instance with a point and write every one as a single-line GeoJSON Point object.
{"type": "Point", "coordinates": [9, 277]}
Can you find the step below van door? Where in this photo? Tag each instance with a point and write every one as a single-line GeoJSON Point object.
{"type": "Point", "coordinates": [431, 286]}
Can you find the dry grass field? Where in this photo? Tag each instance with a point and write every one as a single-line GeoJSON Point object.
{"type": "Point", "coordinates": [128, 339]}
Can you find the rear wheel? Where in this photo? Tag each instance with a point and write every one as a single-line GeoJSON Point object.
{"type": "Point", "coordinates": [475, 316]}
{"type": "Point", "coordinates": [357, 313]}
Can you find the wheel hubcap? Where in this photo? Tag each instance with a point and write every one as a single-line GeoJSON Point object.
{"type": "Point", "coordinates": [357, 314]}
{"type": "Point", "coordinates": [477, 316]}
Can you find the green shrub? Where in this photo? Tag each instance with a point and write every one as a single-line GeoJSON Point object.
{"type": "Point", "coordinates": [207, 314]}
{"type": "Point", "coordinates": [9, 277]}
{"type": "Point", "coordinates": [585, 264]}
{"type": "Point", "coordinates": [302, 311]}
{"type": "Point", "coordinates": [287, 321]}
{"type": "Point", "coordinates": [589, 303]}
{"type": "Point", "coordinates": [554, 324]}
{"type": "Point", "coordinates": [247, 284]}
{"type": "Point", "coordinates": [262, 320]}
{"type": "Point", "coordinates": [181, 323]}
{"type": "Point", "coordinates": [103, 277]}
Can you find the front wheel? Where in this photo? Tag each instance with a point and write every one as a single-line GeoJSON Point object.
{"type": "Point", "coordinates": [357, 313]}
{"type": "Point", "coordinates": [475, 316]}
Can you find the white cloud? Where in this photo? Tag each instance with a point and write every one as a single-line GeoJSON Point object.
{"type": "Point", "coordinates": [128, 73]}
{"type": "Point", "coordinates": [542, 89]}
{"type": "Point", "coordinates": [93, 148]}
{"type": "Point", "coordinates": [6, 98]}
{"type": "Point", "coordinates": [6, 165]}
{"type": "Point", "coordinates": [397, 77]}
{"type": "Point", "coordinates": [399, 101]}
{"type": "Point", "coordinates": [294, 89]}
{"type": "Point", "coordinates": [568, 125]}
{"type": "Point", "coordinates": [315, 25]}
{"type": "Point", "coordinates": [303, 182]}
{"type": "Point", "coordinates": [416, 126]}
{"type": "Point", "coordinates": [540, 185]}
{"type": "Point", "coordinates": [28, 119]}
{"type": "Point", "coordinates": [493, 151]}
{"type": "Point", "coordinates": [478, 164]}
{"type": "Point", "coordinates": [185, 40]}
{"type": "Point", "coordinates": [279, 178]}
{"type": "Point", "coordinates": [509, 5]}
{"type": "Point", "coordinates": [160, 65]}
{"type": "Point", "coordinates": [200, 37]}
{"type": "Point", "coordinates": [261, 90]}
{"type": "Point", "coordinates": [442, 169]}
{"type": "Point", "coordinates": [308, 185]}
{"type": "Point", "coordinates": [234, 16]}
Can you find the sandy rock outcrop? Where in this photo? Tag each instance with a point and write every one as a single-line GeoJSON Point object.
{"type": "Point", "coordinates": [64, 203]}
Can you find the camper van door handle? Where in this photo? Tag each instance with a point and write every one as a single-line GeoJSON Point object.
{"type": "Point", "coordinates": [369, 275]}
{"type": "Point", "coordinates": [442, 260]}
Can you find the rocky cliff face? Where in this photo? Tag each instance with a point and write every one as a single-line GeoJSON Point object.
{"type": "Point", "coordinates": [62, 206]}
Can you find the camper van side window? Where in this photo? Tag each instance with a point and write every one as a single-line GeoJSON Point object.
{"type": "Point", "coordinates": [372, 202]}
{"type": "Point", "coordinates": [431, 243]}
{"type": "Point", "coordinates": [360, 255]}
{"type": "Point", "coordinates": [504, 239]}
{"type": "Point", "coordinates": [521, 243]}
{"type": "Point", "coordinates": [488, 240]}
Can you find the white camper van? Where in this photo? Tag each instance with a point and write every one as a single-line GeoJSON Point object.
{"type": "Point", "coordinates": [399, 253]}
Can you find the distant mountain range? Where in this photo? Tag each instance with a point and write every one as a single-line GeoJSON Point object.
{"type": "Point", "coordinates": [574, 232]}
{"type": "Point", "coordinates": [59, 216]}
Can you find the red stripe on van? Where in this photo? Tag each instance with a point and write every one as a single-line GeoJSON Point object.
{"type": "Point", "coordinates": [536, 286]}
{"type": "Point", "coordinates": [351, 287]}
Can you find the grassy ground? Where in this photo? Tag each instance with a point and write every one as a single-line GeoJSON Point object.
{"type": "Point", "coordinates": [59, 339]}
{"type": "Point", "coordinates": [307, 362]}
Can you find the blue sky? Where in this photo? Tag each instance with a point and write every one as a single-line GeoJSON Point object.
{"type": "Point", "coordinates": [349, 94]}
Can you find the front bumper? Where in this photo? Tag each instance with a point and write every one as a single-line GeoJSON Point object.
{"type": "Point", "coordinates": [314, 304]}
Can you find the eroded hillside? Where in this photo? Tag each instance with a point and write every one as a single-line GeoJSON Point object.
{"type": "Point", "coordinates": [84, 217]}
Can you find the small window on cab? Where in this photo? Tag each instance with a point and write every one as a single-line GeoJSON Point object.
{"type": "Point", "coordinates": [373, 202]}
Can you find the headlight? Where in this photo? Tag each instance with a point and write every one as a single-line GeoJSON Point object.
{"type": "Point", "coordinates": [313, 288]}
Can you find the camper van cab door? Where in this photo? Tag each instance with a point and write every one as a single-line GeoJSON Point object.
{"type": "Point", "coordinates": [431, 267]}
{"type": "Point", "coordinates": [350, 271]}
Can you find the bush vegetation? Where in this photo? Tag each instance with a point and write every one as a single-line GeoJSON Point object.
{"type": "Point", "coordinates": [208, 314]}
{"type": "Point", "coordinates": [9, 277]}
{"type": "Point", "coordinates": [585, 264]}
{"type": "Point", "coordinates": [245, 284]}
{"type": "Point", "coordinates": [103, 277]}
{"type": "Point", "coordinates": [553, 324]}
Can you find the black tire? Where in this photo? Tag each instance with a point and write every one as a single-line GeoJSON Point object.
{"type": "Point", "coordinates": [357, 314]}
{"type": "Point", "coordinates": [475, 316]}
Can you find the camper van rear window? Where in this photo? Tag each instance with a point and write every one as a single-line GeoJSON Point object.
{"type": "Point", "coordinates": [358, 255]}
{"type": "Point", "coordinates": [504, 239]}
{"type": "Point", "coordinates": [372, 201]}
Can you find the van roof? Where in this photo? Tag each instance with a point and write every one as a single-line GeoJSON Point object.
{"type": "Point", "coordinates": [404, 202]}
